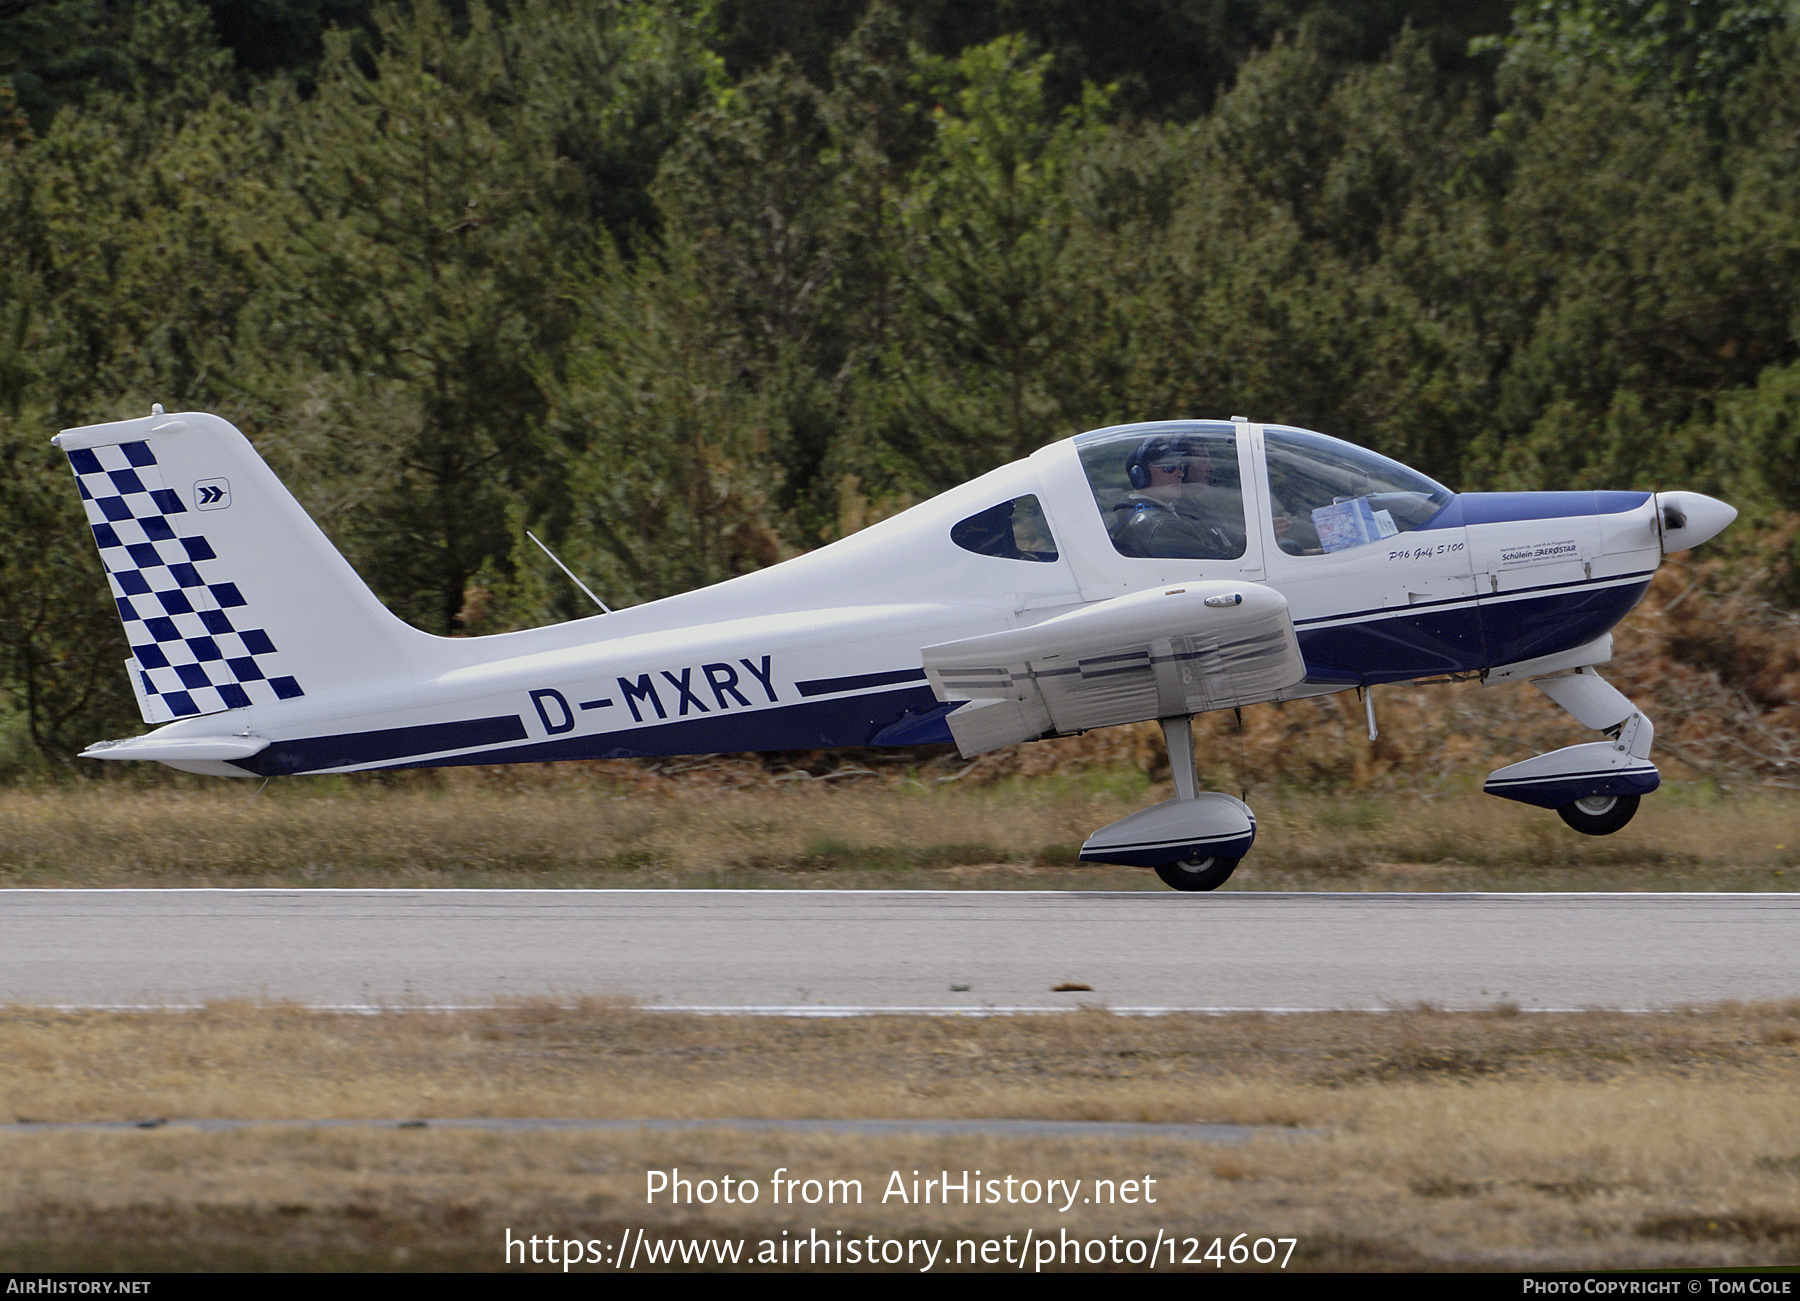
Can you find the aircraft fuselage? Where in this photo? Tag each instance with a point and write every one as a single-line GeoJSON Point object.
{"type": "Point", "coordinates": [1385, 576]}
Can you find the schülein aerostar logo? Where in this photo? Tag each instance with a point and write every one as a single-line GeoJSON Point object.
{"type": "Point", "coordinates": [1540, 553]}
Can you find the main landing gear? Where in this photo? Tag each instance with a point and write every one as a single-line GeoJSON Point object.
{"type": "Point", "coordinates": [1194, 841]}
{"type": "Point", "coordinates": [1595, 788]}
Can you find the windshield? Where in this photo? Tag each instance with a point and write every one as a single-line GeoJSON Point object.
{"type": "Point", "coordinates": [1326, 495]}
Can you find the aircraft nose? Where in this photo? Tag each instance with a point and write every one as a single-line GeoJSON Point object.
{"type": "Point", "coordinates": [1690, 518]}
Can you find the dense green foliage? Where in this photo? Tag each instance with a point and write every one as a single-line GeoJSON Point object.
{"type": "Point", "coordinates": [685, 288]}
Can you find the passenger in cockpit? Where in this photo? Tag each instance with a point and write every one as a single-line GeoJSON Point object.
{"type": "Point", "coordinates": [1164, 515]}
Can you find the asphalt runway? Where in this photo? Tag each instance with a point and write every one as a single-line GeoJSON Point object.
{"type": "Point", "coordinates": [845, 952]}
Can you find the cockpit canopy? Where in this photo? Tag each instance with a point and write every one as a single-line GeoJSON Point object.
{"type": "Point", "coordinates": [1187, 489]}
{"type": "Point", "coordinates": [1175, 490]}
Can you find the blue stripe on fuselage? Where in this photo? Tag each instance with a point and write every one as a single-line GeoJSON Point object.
{"type": "Point", "coordinates": [908, 717]}
{"type": "Point", "coordinates": [1525, 627]}
{"type": "Point", "coordinates": [831, 686]}
{"type": "Point", "coordinates": [1463, 635]}
{"type": "Point", "coordinates": [1395, 645]}
{"type": "Point", "coordinates": [364, 749]}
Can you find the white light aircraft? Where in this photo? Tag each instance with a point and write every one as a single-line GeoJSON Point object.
{"type": "Point", "coordinates": [1150, 571]}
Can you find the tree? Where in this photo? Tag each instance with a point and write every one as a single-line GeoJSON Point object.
{"type": "Point", "coordinates": [62, 652]}
{"type": "Point", "coordinates": [673, 488]}
{"type": "Point", "coordinates": [1684, 53]}
{"type": "Point", "coordinates": [118, 287]}
{"type": "Point", "coordinates": [996, 296]}
{"type": "Point", "coordinates": [436, 238]}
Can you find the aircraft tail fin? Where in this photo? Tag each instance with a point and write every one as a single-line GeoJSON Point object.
{"type": "Point", "coordinates": [229, 593]}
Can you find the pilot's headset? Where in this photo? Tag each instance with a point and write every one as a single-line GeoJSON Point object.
{"type": "Point", "coordinates": [1152, 449]}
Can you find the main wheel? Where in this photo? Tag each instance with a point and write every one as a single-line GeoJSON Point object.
{"type": "Point", "coordinates": [1198, 873]}
{"type": "Point", "coordinates": [1599, 815]}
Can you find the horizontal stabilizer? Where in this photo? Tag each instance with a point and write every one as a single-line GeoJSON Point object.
{"type": "Point", "coordinates": [188, 749]}
{"type": "Point", "coordinates": [1164, 653]}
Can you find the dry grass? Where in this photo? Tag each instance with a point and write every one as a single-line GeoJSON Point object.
{"type": "Point", "coordinates": [584, 829]}
{"type": "Point", "coordinates": [466, 830]}
{"type": "Point", "coordinates": [1431, 1140]}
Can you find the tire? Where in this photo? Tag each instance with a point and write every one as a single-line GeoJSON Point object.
{"type": "Point", "coordinates": [1198, 873]}
{"type": "Point", "coordinates": [1599, 815]}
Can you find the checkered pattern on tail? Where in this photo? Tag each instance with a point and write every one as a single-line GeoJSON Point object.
{"type": "Point", "coordinates": [189, 654]}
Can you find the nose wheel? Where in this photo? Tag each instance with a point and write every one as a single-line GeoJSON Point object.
{"type": "Point", "coordinates": [1198, 873]}
{"type": "Point", "coordinates": [1599, 815]}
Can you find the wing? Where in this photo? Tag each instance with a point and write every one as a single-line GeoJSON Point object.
{"type": "Point", "coordinates": [1170, 651]}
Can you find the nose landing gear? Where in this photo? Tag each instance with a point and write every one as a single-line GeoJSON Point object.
{"type": "Point", "coordinates": [1595, 788]}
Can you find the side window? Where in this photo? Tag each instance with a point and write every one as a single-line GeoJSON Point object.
{"type": "Point", "coordinates": [1327, 496]}
{"type": "Point", "coordinates": [1013, 530]}
{"type": "Point", "coordinates": [1169, 492]}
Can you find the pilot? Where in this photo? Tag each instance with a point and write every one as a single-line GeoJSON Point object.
{"type": "Point", "coordinates": [1163, 515]}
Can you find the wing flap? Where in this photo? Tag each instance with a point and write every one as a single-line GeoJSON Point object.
{"type": "Point", "coordinates": [1158, 654]}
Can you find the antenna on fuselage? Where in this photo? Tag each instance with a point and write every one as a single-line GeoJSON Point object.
{"type": "Point", "coordinates": [570, 572]}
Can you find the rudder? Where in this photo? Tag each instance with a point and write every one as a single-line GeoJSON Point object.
{"type": "Point", "coordinates": [229, 593]}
